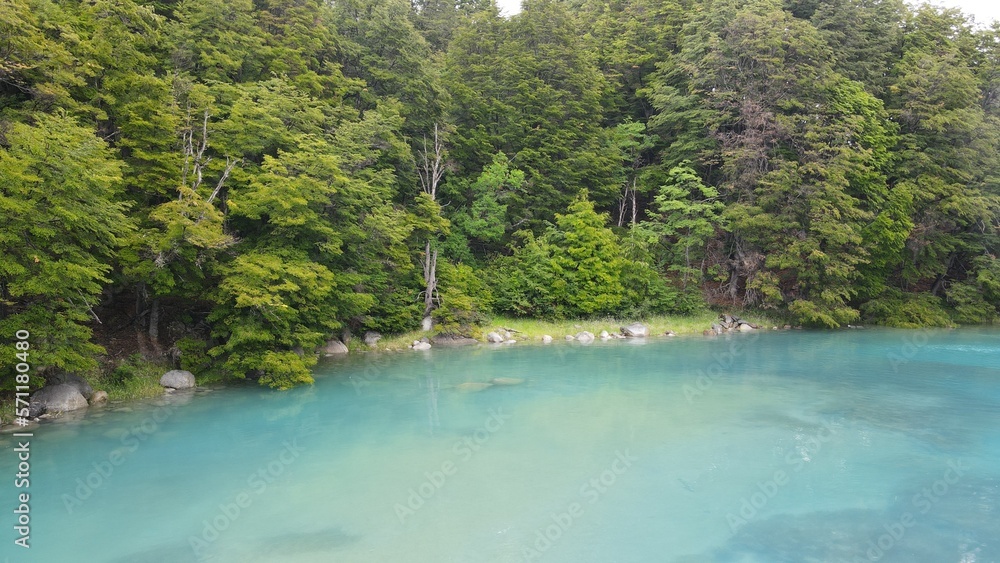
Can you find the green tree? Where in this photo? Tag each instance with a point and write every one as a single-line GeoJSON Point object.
{"type": "Point", "coordinates": [63, 221]}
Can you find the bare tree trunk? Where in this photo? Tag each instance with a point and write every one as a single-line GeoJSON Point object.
{"type": "Point", "coordinates": [634, 204]}
{"type": "Point", "coordinates": [430, 278]}
{"type": "Point", "coordinates": [431, 169]}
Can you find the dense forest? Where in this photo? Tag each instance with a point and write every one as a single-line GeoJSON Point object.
{"type": "Point", "coordinates": [233, 182]}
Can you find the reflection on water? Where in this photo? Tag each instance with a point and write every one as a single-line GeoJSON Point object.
{"type": "Point", "coordinates": [837, 446]}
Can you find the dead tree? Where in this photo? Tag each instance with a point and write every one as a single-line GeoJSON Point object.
{"type": "Point", "coordinates": [431, 168]}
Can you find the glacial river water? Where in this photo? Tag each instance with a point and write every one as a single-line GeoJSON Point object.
{"type": "Point", "coordinates": [855, 445]}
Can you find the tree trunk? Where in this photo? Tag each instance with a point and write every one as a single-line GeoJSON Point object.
{"type": "Point", "coordinates": [634, 203]}
{"type": "Point", "coordinates": [154, 323]}
{"type": "Point", "coordinates": [430, 278]}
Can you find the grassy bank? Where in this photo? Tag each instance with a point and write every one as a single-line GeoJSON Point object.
{"type": "Point", "coordinates": [534, 329]}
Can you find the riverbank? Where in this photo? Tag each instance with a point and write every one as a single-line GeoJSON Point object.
{"type": "Point", "coordinates": [532, 330]}
{"type": "Point", "coordinates": [136, 379]}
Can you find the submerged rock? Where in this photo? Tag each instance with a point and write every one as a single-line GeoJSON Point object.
{"type": "Point", "coordinates": [635, 330]}
{"type": "Point", "coordinates": [62, 397]}
{"type": "Point", "coordinates": [178, 379]}
{"type": "Point", "coordinates": [472, 386]}
{"type": "Point", "coordinates": [506, 381]}
{"type": "Point", "coordinates": [452, 340]}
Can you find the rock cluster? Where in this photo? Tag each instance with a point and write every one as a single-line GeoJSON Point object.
{"type": "Point", "coordinates": [730, 323]}
{"type": "Point", "coordinates": [503, 336]}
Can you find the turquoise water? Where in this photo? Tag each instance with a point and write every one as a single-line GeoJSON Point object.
{"type": "Point", "coordinates": [867, 445]}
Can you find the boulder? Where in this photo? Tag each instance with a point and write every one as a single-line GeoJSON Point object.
{"type": "Point", "coordinates": [422, 345]}
{"type": "Point", "coordinates": [61, 397]}
{"type": "Point", "coordinates": [716, 328]}
{"type": "Point", "coordinates": [76, 381]}
{"type": "Point", "coordinates": [670, 333]}
{"type": "Point", "coordinates": [744, 327]}
{"type": "Point", "coordinates": [635, 330]}
{"type": "Point", "coordinates": [494, 338]}
{"type": "Point", "coordinates": [452, 340]}
{"type": "Point", "coordinates": [546, 339]}
{"type": "Point", "coordinates": [584, 336]}
{"type": "Point", "coordinates": [371, 338]}
{"type": "Point", "coordinates": [333, 347]}
{"type": "Point", "coordinates": [604, 335]}
{"type": "Point", "coordinates": [570, 337]}
{"type": "Point", "coordinates": [99, 397]}
{"type": "Point", "coordinates": [178, 379]}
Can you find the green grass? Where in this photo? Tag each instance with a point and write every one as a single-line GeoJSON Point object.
{"type": "Point", "coordinates": [534, 329]}
{"type": "Point", "coordinates": [132, 380]}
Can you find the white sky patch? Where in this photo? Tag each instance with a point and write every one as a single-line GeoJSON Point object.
{"type": "Point", "coordinates": [985, 11]}
{"type": "Point", "coordinates": [509, 7]}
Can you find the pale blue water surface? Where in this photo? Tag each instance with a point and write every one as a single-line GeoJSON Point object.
{"type": "Point", "coordinates": [863, 445]}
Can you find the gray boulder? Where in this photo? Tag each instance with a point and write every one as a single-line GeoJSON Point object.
{"type": "Point", "coordinates": [371, 338]}
{"type": "Point", "coordinates": [99, 397]}
{"type": "Point", "coordinates": [494, 338]}
{"type": "Point", "coordinates": [178, 379]}
{"type": "Point", "coordinates": [546, 339]}
{"type": "Point", "coordinates": [744, 327]}
{"type": "Point", "coordinates": [76, 381]}
{"type": "Point", "coordinates": [604, 335]}
{"type": "Point", "coordinates": [62, 397]}
{"type": "Point", "coordinates": [585, 336]}
{"type": "Point", "coordinates": [333, 347]}
{"type": "Point", "coordinates": [635, 330]}
{"type": "Point", "coordinates": [421, 345]}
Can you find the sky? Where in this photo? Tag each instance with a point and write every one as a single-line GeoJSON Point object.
{"type": "Point", "coordinates": [983, 10]}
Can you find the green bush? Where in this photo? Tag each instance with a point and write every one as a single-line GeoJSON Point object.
{"type": "Point", "coordinates": [465, 301]}
{"type": "Point", "coordinates": [906, 310]}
